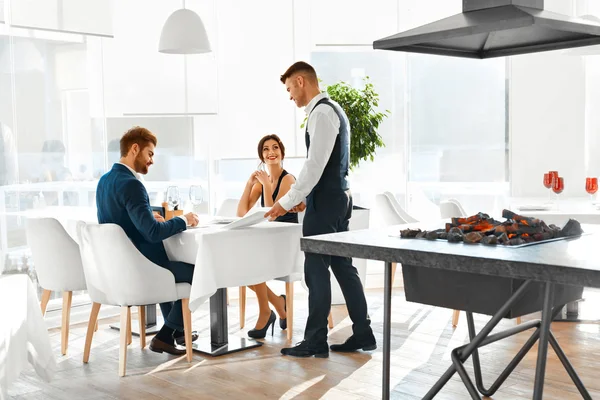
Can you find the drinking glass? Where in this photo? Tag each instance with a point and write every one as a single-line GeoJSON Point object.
{"type": "Point", "coordinates": [173, 197]}
{"type": "Point", "coordinates": [196, 195]}
{"type": "Point", "coordinates": [591, 186]}
{"type": "Point", "coordinates": [558, 185]}
{"type": "Point", "coordinates": [548, 182]}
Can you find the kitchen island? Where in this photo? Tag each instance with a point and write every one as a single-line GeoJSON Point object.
{"type": "Point", "coordinates": [542, 277]}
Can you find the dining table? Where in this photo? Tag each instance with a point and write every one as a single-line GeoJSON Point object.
{"type": "Point", "coordinates": [499, 281]}
{"type": "Point", "coordinates": [223, 258]}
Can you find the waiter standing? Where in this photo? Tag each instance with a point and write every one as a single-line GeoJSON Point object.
{"type": "Point", "coordinates": [322, 189]}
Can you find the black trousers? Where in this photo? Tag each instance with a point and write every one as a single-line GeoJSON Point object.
{"type": "Point", "coordinates": [329, 212]}
{"type": "Point", "coordinates": [171, 311]}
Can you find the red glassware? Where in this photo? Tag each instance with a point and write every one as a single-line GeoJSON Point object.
{"type": "Point", "coordinates": [553, 175]}
{"type": "Point", "coordinates": [547, 180]}
{"type": "Point", "coordinates": [558, 185]}
{"type": "Point", "coordinates": [591, 186]}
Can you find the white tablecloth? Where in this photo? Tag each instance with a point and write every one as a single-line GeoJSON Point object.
{"type": "Point", "coordinates": [240, 257]}
{"type": "Point", "coordinates": [23, 334]}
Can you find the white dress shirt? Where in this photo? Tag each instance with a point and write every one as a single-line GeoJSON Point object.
{"type": "Point", "coordinates": [139, 177]}
{"type": "Point", "coordinates": [323, 127]}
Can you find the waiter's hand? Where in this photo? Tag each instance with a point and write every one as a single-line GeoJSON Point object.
{"type": "Point", "coordinates": [275, 211]}
{"type": "Point", "coordinates": [298, 208]}
{"type": "Point", "coordinates": [158, 217]}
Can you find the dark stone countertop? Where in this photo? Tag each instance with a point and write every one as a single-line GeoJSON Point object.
{"type": "Point", "coordinates": [572, 262]}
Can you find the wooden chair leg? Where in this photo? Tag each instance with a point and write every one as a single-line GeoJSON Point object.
{"type": "Point", "coordinates": [330, 320]}
{"type": "Point", "coordinates": [66, 319]}
{"type": "Point", "coordinates": [90, 332]}
{"type": "Point", "coordinates": [44, 301]}
{"type": "Point", "coordinates": [242, 306]}
{"type": "Point", "coordinates": [129, 338]}
{"type": "Point", "coordinates": [289, 305]}
{"type": "Point", "coordinates": [455, 316]}
{"type": "Point", "coordinates": [125, 318]}
{"type": "Point", "coordinates": [96, 327]}
{"type": "Point", "coordinates": [187, 328]}
{"type": "Point", "coordinates": [142, 318]}
{"type": "Point", "coordinates": [394, 265]}
{"type": "Point", "coordinates": [518, 320]}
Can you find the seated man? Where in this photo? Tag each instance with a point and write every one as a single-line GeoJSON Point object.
{"type": "Point", "coordinates": [122, 199]}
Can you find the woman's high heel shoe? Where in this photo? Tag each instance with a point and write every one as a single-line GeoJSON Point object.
{"type": "Point", "coordinates": [261, 333]}
{"type": "Point", "coordinates": [283, 321]}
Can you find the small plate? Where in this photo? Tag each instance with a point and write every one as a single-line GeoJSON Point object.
{"type": "Point", "coordinates": [534, 207]}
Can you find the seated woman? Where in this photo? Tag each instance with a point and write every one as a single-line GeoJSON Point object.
{"type": "Point", "coordinates": [270, 186]}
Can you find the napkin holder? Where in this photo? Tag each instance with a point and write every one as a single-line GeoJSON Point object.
{"type": "Point", "coordinates": [170, 213]}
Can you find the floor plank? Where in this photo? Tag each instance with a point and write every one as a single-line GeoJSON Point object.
{"type": "Point", "coordinates": [422, 338]}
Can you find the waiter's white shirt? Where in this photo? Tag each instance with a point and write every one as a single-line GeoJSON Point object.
{"type": "Point", "coordinates": [323, 127]}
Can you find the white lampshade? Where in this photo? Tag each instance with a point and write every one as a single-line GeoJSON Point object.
{"type": "Point", "coordinates": [184, 33]}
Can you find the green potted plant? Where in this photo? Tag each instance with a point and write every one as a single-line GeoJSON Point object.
{"type": "Point", "coordinates": [360, 107]}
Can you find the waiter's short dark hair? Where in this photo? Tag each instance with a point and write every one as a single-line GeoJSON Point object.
{"type": "Point", "coordinates": [300, 67]}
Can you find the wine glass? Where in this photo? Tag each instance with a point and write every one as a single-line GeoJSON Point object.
{"type": "Point", "coordinates": [558, 185]}
{"type": "Point", "coordinates": [591, 186]}
{"type": "Point", "coordinates": [173, 197]}
{"type": "Point", "coordinates": [548, 180]}
{"type": "Point", "coordinates": [196, 195]}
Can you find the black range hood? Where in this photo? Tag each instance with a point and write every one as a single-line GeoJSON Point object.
{"type": "Point", "coordinates": [496, 28]}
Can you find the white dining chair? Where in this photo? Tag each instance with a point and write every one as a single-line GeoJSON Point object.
{"type": "Point", "coordinates": [117, 274]}
{"type": "Point", "coordinates": [58, 266]}
{"type": "Point", "coordinates": [399, 209]}
{"type": "Point", "coordinates": [451, 208]}
{"type": "Point", "coordinates": [228, 208]}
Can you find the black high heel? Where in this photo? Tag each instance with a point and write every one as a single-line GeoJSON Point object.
{"type": "Point", "coordinates": [283, 321]}
{"type": "Point", "coordinates": [261, 333]}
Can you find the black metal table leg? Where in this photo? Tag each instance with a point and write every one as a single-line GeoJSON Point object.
{"type": "Point", "coordinates": [569, 368]}
{"type": "Point", "coordinates": [542, 332]}
{"type": "Point", "coordinates": [153, 323]}
{"type": "Point", "coordinates": [221, 342]}
{"type": "Point", "coordinates": [466, 351]}
{"type": "Point", "coordinates": [540, 368]}
{"type": "Point", "coordinates": [387, 326]}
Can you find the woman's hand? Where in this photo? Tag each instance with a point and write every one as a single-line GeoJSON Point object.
{"type": "Point", "coordinates": [263, 178]}
{"type": "Point", "coordinates": [158, 217]}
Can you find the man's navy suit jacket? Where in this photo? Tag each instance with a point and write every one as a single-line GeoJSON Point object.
{"type": "Point", "coordinates": [122, 199]}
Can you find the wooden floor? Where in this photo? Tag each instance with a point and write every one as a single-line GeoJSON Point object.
{"type": "Point", "coordinates": [422, 338]}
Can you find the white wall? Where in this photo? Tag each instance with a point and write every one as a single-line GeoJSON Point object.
{"type": "Point", "coordinates": [547, 122]}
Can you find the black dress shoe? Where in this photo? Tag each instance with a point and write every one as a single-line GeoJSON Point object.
{"type": "Point", "coordinates": [305, 349]}
{"type": "Point", "coordinates": [283, 321]}
{"type": "Point", "coordinates": [180, 340]}
{"type": "Point", "coordinates": [158, 346]}
{"type": "Point", "coordinates": [261, 333]}
{"type": "Point", "coordinates": [354, 343]}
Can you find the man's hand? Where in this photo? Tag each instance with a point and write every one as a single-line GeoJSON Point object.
{"type": "Point", "coordinates": [275, 212]}
{"type": "Point", "coordinates": [158, 217]}
{"type": "Point", "coordinates": [298, 208]}
{"type": "Point", "coordinates": [192, 219]}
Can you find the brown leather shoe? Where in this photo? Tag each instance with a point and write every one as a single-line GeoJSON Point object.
{"type": "Point", "coordinates": [158, 346]}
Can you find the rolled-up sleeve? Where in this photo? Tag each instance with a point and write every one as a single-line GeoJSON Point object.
{"type": "Point", "coordinates": [323, 128]}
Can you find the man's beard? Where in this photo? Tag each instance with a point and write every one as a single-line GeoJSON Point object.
{"type": "Point", "coordinates": [140, 166]}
